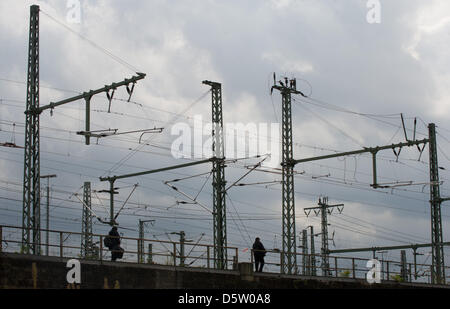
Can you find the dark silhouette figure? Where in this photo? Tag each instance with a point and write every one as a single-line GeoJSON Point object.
{"type": "Point", "coordinates": [114, 247]}
{"type": "Point", "coordinates": [259, 252]}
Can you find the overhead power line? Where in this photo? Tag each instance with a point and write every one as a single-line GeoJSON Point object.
{"type": "Point", "coordinates": [95, 45]}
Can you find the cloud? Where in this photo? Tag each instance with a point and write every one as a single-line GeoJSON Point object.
{"type": "Point", "coordinates": [397, 66]}
{"type": "Point", "coordinates": [288, 65]}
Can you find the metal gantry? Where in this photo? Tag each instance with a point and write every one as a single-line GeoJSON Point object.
{"type": "Point", "coordinates": [219, 183]}
{"type": "Point", "coordinates": [438, 273]}
{"type": "Point", "coordinates": [31, 213]}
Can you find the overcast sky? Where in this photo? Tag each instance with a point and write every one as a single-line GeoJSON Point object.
{"type": "Point", "coordinates": [345, 63]}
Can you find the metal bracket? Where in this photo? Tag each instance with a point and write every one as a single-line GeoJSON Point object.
{"type": "Point", "coordinates": [130, 91]}
{"type": "Point", "coordinates": [110, 98]}
{"type": "Point", "coordinates": [397, 154]}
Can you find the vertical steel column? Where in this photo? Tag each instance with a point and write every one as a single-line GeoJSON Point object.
{"type": "Point", "coordinates": [47, 219]}
{"type": "Point", "coordinates": [141, 242]}
{"type": "Point", "coordinates": [219, 212]}
{"type": "Point", "coordinates": [101, 248]}
{"type": "Point", "coordinates": [150, 254]}
{"type": "Point", "coordinates": [288, 201]}
{"type": "Point", "coordinates": [313, 254]}
{"type": "Point", "coordinates": [88, 119]}
{"type": "Point", "coordinates": [31, 181]}
{"type": "Point", "coordinates": [47, 213]}
{"type": "Point", "coordinates": [86, 229]}
{"type": "Point", "coordinates": [61, 244]}
{"type": "Point", "coordinates": [438, 265]}
{"type": "Point", "coordinates": [305, 252]}
{"type": "Point", "coordinates": [174, 245]}
{"type": "Point", "coordinates": [404, 270]}
{"type": "Point", "coordinates": [182, 251]}
{"type": "Point", "coordinates": [415, 262]}
{"type": "Point", "coordinates": [325, 259]}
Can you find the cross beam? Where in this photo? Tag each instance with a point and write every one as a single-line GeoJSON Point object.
{"type": "Point", "coordinates": [114, 178]}
{"type": "Point", "coordinates": [87, 96]}
{"type": "Point", "coordinates": [373, 249]}
{"type": "Point", "coordinates": [91, 93]}
{"type": "Point", "coordinates": [372, 150]}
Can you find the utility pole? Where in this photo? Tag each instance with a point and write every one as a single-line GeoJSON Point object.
{"type": "Point", "coordinates": [324, 209]}
{"type": "Point", "coordinates": [289, 260]}
{"type": "Point", "coordinates": [47, 212]}
{"type": "Point", "coordinates": [31, 214]}
{"type": "Point", "coordinates": [218, 171]}
{"type": "Point", "coordinates": [86, 227]}
{"type": "Point", "coordinates": [141, 239]}
{"type": "Point", "coordinates": [438, 265]}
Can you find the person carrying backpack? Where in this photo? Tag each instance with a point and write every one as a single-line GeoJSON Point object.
{"type": "Point", "coordinates": [112, 241]}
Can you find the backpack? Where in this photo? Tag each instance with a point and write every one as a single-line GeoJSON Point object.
{"type": "Point", "coordinates": [107, 241]}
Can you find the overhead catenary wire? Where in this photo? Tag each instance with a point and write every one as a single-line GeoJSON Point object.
{"type": "Point", "coordinates": [370, 189]}
{"type": "Point", "coordinates": [295, 144]}
{"type": "Point", "coordinates": [133, 152]}
{"type": "Point", "coordinates": [92, 43]}
{"type": "Point", "coordinates": [388, 117]}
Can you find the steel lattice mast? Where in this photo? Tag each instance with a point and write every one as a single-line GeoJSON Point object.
{"type": "Point", "coordinates": [438, 268]}
{"type": "Point", "coordinates": [31, 238]}
{"type": "Point", "coordinates": [219, 211]}
{"type": "Point", "coordinates": [86, 229]}
{"type": "Point", "coordinates": [289, 259]}
{"type": "Point", "coordinates": [141, 252]}
{"type": "Point", "coordinates": [324, 209]}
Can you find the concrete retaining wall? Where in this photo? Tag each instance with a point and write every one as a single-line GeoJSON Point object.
{"type": "Point", "coordinates": [28, 272]}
